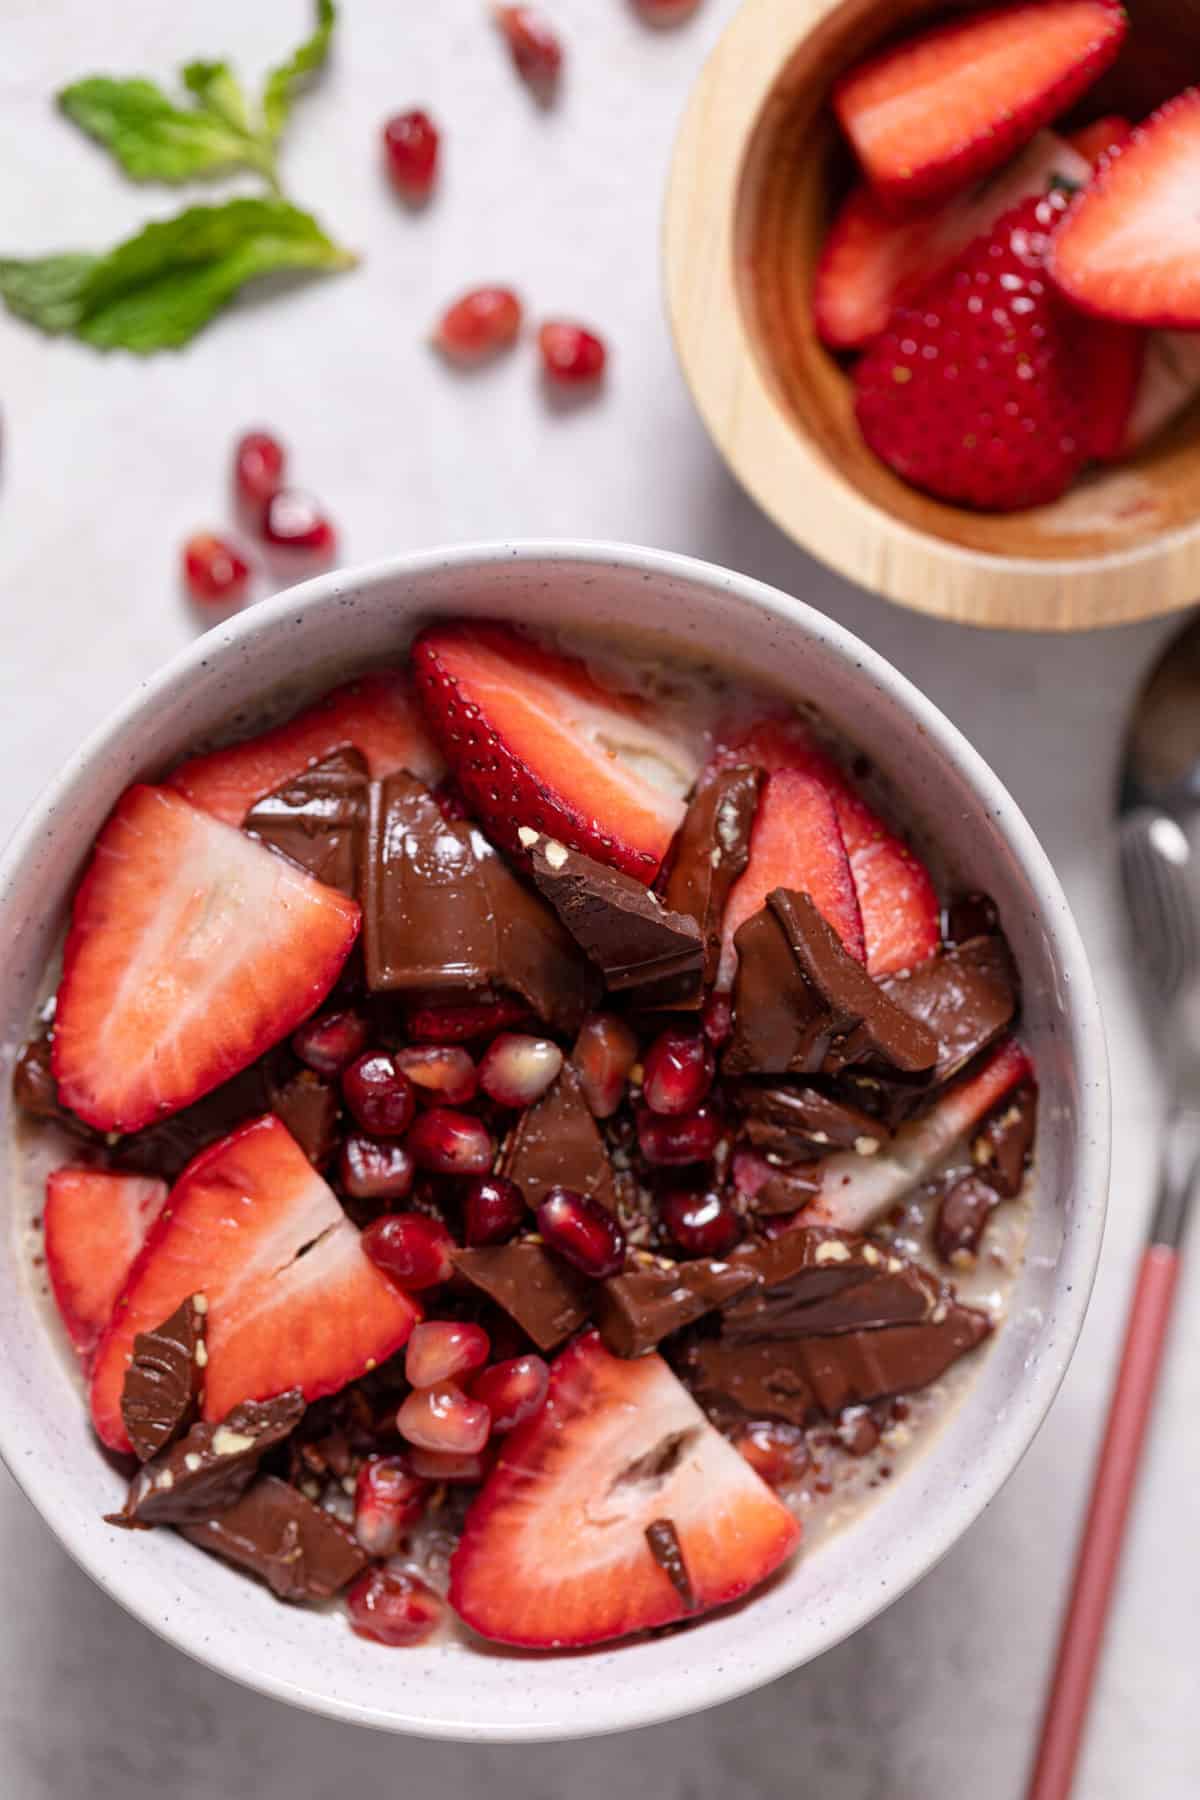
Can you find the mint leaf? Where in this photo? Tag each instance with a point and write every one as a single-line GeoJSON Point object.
{"type": "Point", "coordinates": [283, 83]}
{"type": "Point", "coordinates": [157, 289]}
{"type": "Point", "coordinates": [218, 89]}
{"type": "Point", "coordinates": [154, 140]}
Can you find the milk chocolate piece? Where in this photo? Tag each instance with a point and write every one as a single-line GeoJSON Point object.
{"type": "Point", "coordinates": [779, 1021]}
{"type": "Point", "coordinates": [317, 819]}
{"type": "Point", "coordinates": [711, 850]}
{"type": "Point", "coordinates": [667, 1552]}
{"type": "Point", "coordinates": [970, 916]}
{"type": "Point", "coordinates": [163, 1381]}
{"type": "Point", "coordinates": [36, 1091]}
{"type": "Point", "coordinates": [962, 1216]}
{"type": "Point", "coordinates": [545, 1297]}
{"type": "Point", "coordinates": [557, 1143]}
{"type": "Point", "coordinates": [1001, 1149]}
{"type": "Point", "coordinates": [816, 1280]}
{"type": "Point", "coordinates": [298, 1549]}
{"type": "Point", "coordinates": [624, 929]}
{"type": "Point", "coordinates": [204, 1473]}
{"type": "Point", "coordinates": [761, 1381]}
{"type": "Point", "coordinates": [799, 1124]}
{"type": "Point", "coordinates": [649, 1300]}
{"type": "Point", "coordinates": [966, 998]}
{"type": "Point", "coordinates": [787, 1190]}
{"type": "Point", "coordinates": [443, 912]}
{"type": "Point", "coordinates": [310, 1108]}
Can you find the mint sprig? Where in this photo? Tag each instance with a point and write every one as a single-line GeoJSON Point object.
{"type": "Point", "coordinates": [285, 82]}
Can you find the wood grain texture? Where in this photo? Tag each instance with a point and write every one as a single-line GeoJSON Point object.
{"type": "Point", "coordinates": [758, 168]}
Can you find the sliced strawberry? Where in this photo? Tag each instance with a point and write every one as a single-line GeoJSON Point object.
{"type": "Point", "coordinates": [293, 1299]}
{"type": "Point", "coordinates": [554, 1552]}
{"type": "Point", "coordinates": [191, 950]}
{"type": "Point", "coordinates": [375, 714]}
{"type": "Point", "coordinates": [1115, 359]}
{"type": "Point", "coordinates": [534, 740]}
{"type": "Point", "coordinates": [1101, 137]}
{"type": "Point", "coordinates": [1130, 247]}
{"type": "Point", "coordinates": [936, 111]}
{"type": "Point", "coordinates": [94, 1224]}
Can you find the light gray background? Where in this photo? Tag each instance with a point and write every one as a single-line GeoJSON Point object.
{"type": "Point", "coordinates": [109, 463]}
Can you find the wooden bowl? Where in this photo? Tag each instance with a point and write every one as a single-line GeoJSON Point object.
{"type": "Point", "coordinates": [757, 170]}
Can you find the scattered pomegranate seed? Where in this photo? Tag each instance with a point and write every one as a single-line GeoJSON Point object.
{"type": "Point", "coordinates": [374, 1168]}
{"type": "Point", "coordinates": [679, 1070]}
{"type": "Point", "coordinates": [717, 1018]}
{"type": "Point", "coordinates": [410, 144]}
{"type": "Point", "coordinates": [672, 1142]}
{"type": "Point", "coordinates": [214, 572]}
{"type": "Point", "coordinates": [493, 1209]}
{"type": "Point", "coordinates": [392, 1608]}
{"type": "Point", "coordinates": [444, 1418]}
{"type": "Point", "coordinates": [702, 1222]}
{"type": "Point", "coordinates": [471, 1019]}
{"type": "Point", "coordinates": [379, 1094]}
{"type": "Point", "coordinates": [775, 1451]}
{"type": "Point", "coordinates": [413, 1249]}
{"type": "Point", "coordinates": [570, 354]}
{"type": "Point", "coordinates": [388, 1499]}
{"type": "Point", "coordinates": [450, 1143]}
{"type": "Point", "coordinates": [439, 1072]}
{"type": "Point", "coordinates": [484, 321]}
{"type": "Point", "coordinates": [535, 45]}
{"type": "Point", "coordinates": [293, 521]}
{"type": "Point", "coordinates": [330, 1042]}
{"type": "Point", "coordinates": [604, 1053]}
{"type": "Point", "coordinates": [444, 1349]}
{"type": "Point", "coordinates": [513, 1391]}
{"type": "Point", "coordinates": [442, 1465]}
{"type": "Point", "coordinates": [580, 1229]}
{"type": "Point", "coordinates": [258, 464]}
{"type": "Point", "coordinates": [516, 1070]}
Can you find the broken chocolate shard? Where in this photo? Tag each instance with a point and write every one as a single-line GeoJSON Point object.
{"type": "Point", "coordinates": [35, 1090]}
{"type": "Point", "coordinates": [557, 1143]}
{"type": "Point", "coordinates": [779, 1022]}
{"type": "Point", "coordinates": [787, 1190]}
{"type": "Point", "coordinates": [545, 1297]}
{"type": "Point", "coordinates": [650, 1299]}
{"type": "Point", "coordinates": [799, 1124]}
{"type": "Point", "coordinates": [310, 1107]}
{"type": "Point", "coordinates": [965, 998]}
{"type": "Point", "coordinates": [962, 1216]}
{"type": "Point", "coordinates": [272, 1531]}
{"type": "Point", "coordinates": [317, 819]}
{"type": "Point", "coordinates": [166, 1148]}
{"type": "Point", "coordinates": [164, 1379]}
{"type": "Point", "coordinates": [711, 850]}
{"type": "Point", "coordinates": [204, 1473]}
{"type": "Point", "coordinates": [1001, 1150]}
{"type": "Point", "coordinates": [667, 1552]}
{"type": "Point", "coordinates": [623, 928]}
{"type": "Point", "coordinates": [756, 1381]}
{"type": "Point", "coordinates": [817, 1281]}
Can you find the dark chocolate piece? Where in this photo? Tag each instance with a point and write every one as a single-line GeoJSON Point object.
{"type": "Point", "coordinates": [816, 1280]}
{"type": "Point", "coordinates": [761, 1381]}
{"type": "Point", "coordinates": [317, 819]}
{"type": "Point", "coordinates": [204, 1473]}
{"type": "Point", "coordinates": [443, 912]}
{"type": "Point", "coordinates": [557, 1143]}
{"type": "Point", "coordinates": [624, 929]}
{"type": "Point", "coordinates": [1001, 1150]}
{"type": "Point", "coordinates": [649, 1300]}
{"type": "Point", "coordinates": [787, 1190]}
{"type": "Point", "coordinates": [711, 850]}
{"type": "Point", "coordinates": [970, 916]}
{"type": "Point", "coordinates": [799, 1124]}
{"type": "Point", "coordinates": [858, 1432]}
{"type": "Point", "coordinates": [36, 1091]}
{"type": "Point", "coordinates": [779, 1022]}
{"type": "Point", "coordinates": [966, 998]}
{"type": "Point", "coordinates": [310, 1108]}
{"type": "Point", "coordinates": [667, 1552]}
{"type": "Point", "coordinates": [545, 1297]}
{"type": "Point", "coordinates": [962, 1217]}
{"type": "Point", "coordinates": [165, 1149]}
{"type": "Point", "coordinates": [164, 1379]}
{"type": "Point", "coordinates": [298, 1549]}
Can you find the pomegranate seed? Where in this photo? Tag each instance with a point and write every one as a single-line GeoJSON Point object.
{"type": "Point", "coordinates": [493, 1209]}
{"type": "Point", "coordinates": [472, 1019]}
{"type": "Point", "coordinates": [410, 144]}
{"type": "Point", "coordinates": [717, 1018]}
{"type": "Point", "coordinates": [214, 572]}
{"type": "Point", "coordinates": [374, 1168]}
{"type": "Point", "coordinates": [413, 1249]}
{"type": "Point", "coordinates": [379, 1094]}
{"type": "Point", "coordinates": [604, 1053]}
{"type": "Point", "coordinates": [674, 1142]}
{"type": "Point", "coordinates": [775, 1451]}
{"type": "Point", "coordinates": [516, 1070]}
{"type": "Point", "coordinates": [484, 321]}
{"type": "Point", "coordinates": [441, 1072]}
{"type": "Point", "coordinates": [679, 1070]}
{"type": "Point", "coordinates": [392, 1608]}
{"type": "Point", "coordinates": [330, 1042]}
{"type": "Point", "coordinates": [444, 1418]}
{"type": "Point", "coordinates": [442, 1350]}
{"type": "Point", "coordinates": [258, 465]}
{"type": "Point", "coordinates": [701, 1221]}
{"type": "Point", "coordinates": [580, 1229]}
{"type": "Point", "coordinates": [513, 1391]}
{"type": "Point", "coordinates": [388, 1499]}
{"type": "Point", "coordinates": [442, 1465]}
{"type": "Point", "coordinates": [535, 45]}
{"type": "Point", "coordinates": [450, 1143]}
{"type": "Point", "coordinates": [293, 521]}
{"type": "Point", "coordinates": [570, 354]}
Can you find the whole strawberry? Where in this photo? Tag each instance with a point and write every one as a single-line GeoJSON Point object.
{"type": "Point", "coordinates": [976, 391]}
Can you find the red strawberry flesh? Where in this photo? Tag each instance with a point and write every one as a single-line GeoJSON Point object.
{"type": "Point", "coordinates": [94, 1224]}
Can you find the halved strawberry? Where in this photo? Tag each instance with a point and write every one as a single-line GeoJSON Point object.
{"type": "Point", "coordinates": [554, 1551]}
{"type": "Point", "coordinates": [938, 110]}
{"type": "Point", "coordinates": [1130, 247]}
{"type": "Point", "coordinates": [375, 714]}
{"type": "Point", "coordinates": [293, 1299]}
{"type": "Point", "coordinates": [534, 740]}
{"type": "Point", "coordinates": [191, 951]}
{"type": "Point", "coordinates": [94, 1224]}
{"type": "Point", "coordinates": [1114, 362]}
{"type": "Point", "coordinates": [1101, 137]}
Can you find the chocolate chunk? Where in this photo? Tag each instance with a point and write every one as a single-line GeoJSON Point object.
{"type": "Point", "coordinates": [557, 1143]}
{"type": "Point", "coordinates": [36, 1091]}
{"type": "Point", "coordinates": [858, 1432]}
{"type": "Point", "coordinates": [962, 1215]}
{"type": "Point", "coordinates": [667, 1552]}
{"type": "Point", "coordinates": [163, 1381]}
{"type": "Point", "coordinates": [798, 1124]}
{"type": "Point", "coordinates": [625, 930]}
{"type": "Point", "coordinates": [317, 819]}
{"type": "Point", "coordinates": [970, 916]}
{"type": "Point", "coordinates": [965, 997]}
{"type": "Point", "coordinates": [310, 1108]}
{"type": "Point", "coordinates": [298, 1549]}
{"type": "Point", "coordinates": [442, 911]}
{"type": "Point", "coordinates": [761, 1381]}
{"type": "Point", "coordinates": [787, 1191]}
{"type": "Point", "coordinates": [204, 1473]}
{"type": "Point", "coordinates": [546, 1298]}
{"type": "Point", "coordinates": [816, 1280]}
{"type": "Point", "coordinates": [649, 1300]}
{"type": "Point", "coordinates": [711, 850]}
{"type": "Point", "coordinates": [779, 1022]}
{"type": "Point", "coordinates": [1001, 1150]}
{"type": "Point", "coordinates": [165, 1149]}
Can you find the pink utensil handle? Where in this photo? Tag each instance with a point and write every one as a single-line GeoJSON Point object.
{"type": "Point", "coordinates": [1099, 1552]}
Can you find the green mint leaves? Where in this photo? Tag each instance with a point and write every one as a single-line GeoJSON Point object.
{"type": "Point", "coordinates": [156, 290]}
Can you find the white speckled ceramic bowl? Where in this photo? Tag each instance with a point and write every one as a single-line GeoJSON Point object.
{"type": "Point", "coordinates": [451, 1690]}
